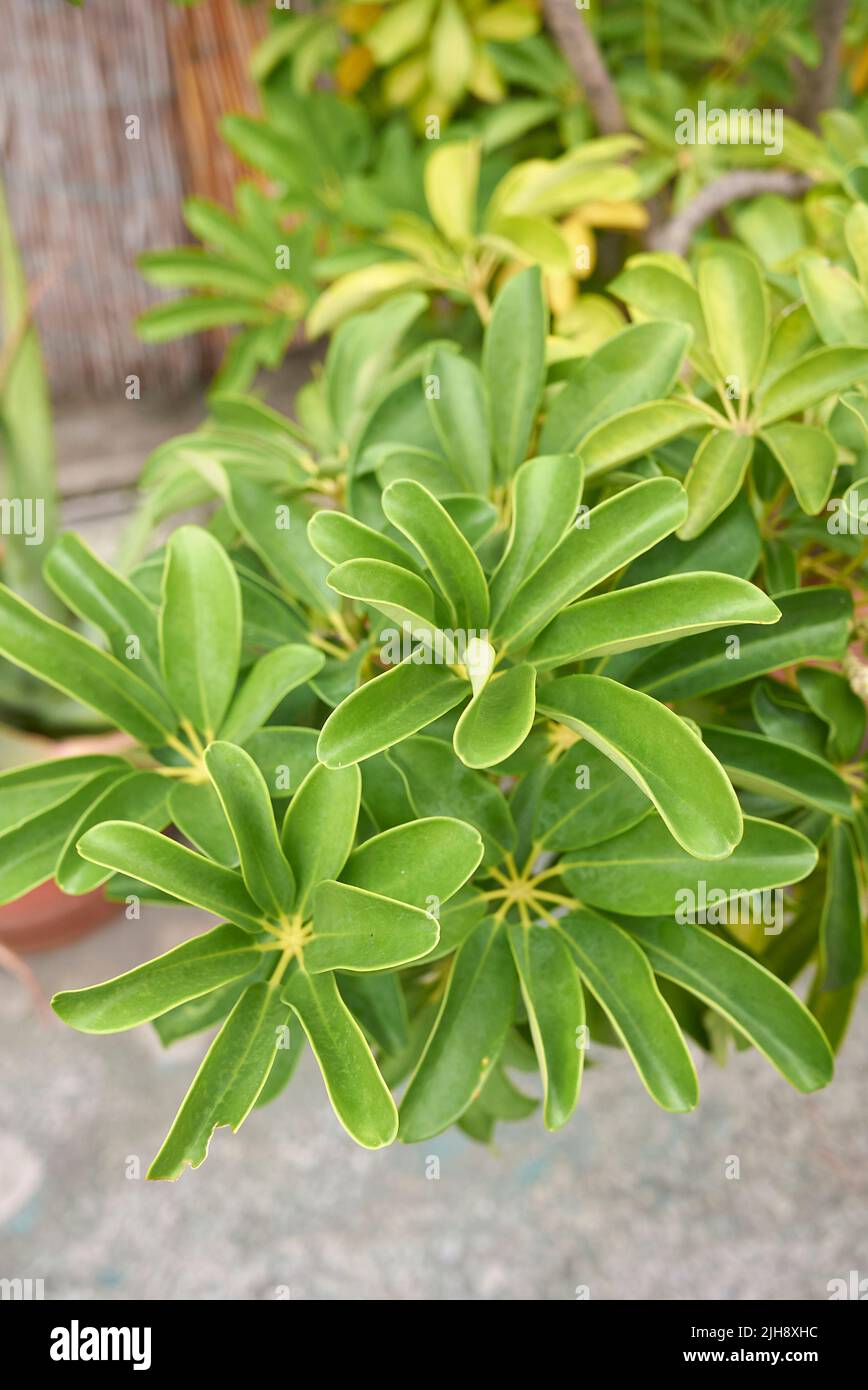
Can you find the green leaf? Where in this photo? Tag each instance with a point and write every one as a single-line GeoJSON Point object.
{"type": "Point", "coordinates": [760, 764]}
{"type": "Point", "coordinates": [439, 784]}
{"type": "Point", "coordinates": [714, 478]}
{"type": "Point", "coordinates": [387, 709]}
{"type": "Point", "coordinates": [818, 374]}
{"type": "Point", "coordinates": [467, 1037]}
{"type": "Point", "coordinates": [498, 719]}
{"type": "Point", "coordinates": [284, 756]}
{"type": "Point", "coordinates": [244, 798]}
{"type": "Point", "coordinates": [644, 871]}
{"type": "Point", "coordinates": [513, 366]}
{"type": "Point", "coordinates": [747, 994]}
{"type": "Point", "coordinates": [808, 457]}
{"type": "Point", "coordinates": [197, 812]}
{"type": "Point", "coordinates": [458, 413]}
{"type": "Point", "coordinates": [34, 787]}
{"type": "Point", "coordinates": [159, 861]}
{"type": "Point", "coordinates": [358, 930]}
{"type": "Point", "coordinates": [195, 314]}
{"type": "Point", "coordinates": [831, 697]}
{"type": "Point", "coordinates": [814, 625]}
{"type": "Point", "coordinates": [837, 302]}
{"type": "Point", "coordinates": [619, 976]}
{"type": "Point", "coordinates": [320, 826]}
{"type": "Point", "coordinates": [359, 1095]}
{"type": "Point", "coordinates": [645, 614]}
{"type": "Point", "coordinates": [226, 1086]}
{"type": "Point", "coordinates": [842, 950]}
{"type": "Point", "coordinates": [451, 181]}
{"type": "Point", "coordinates": [50, 651]}
{"type": "Point", "coordinates": [272, 678]}
{"type": "Point", "coordinates": [659, 752]}
{"type": "Point", "coordinates": [636, 432]}
{"type": "Point", "coordinates": [456, 570]}
{"type": "Point", "coordinates": [377, 1001]}
{"type": "Point", "coordinates": [545, 495]}
{"type": "Point", "coordinates": [552, 994]}
{"type": "Point", "coordinates": [617, 531]}
{"type": "Point", "coordinates": [359, 290]}
{"type": "Point", "coordinates": [586, 798]}
{"type": "Point", "coordinates": [659, 292]}
{"type": "Point", "coordinates": [733, 297]}
{"type": "Point", "coordinates": [423, 863]}
{"type": "Point", "coordinates": [29, 850]}
{"type": "Point", "coordinates": [200, 628]}
{"type": "Point", "coordinates": [399, 595]}
{"type": "Point", "coordinates": [338, 538]}
{"type": "Point", "coordinates": [638, 365]}
{"type": "Point", "coordinates": [266, 523]}
{"type": "Point", "coordinates": [140, 796]}
{"type": "Point", "coordinates": [190, 970]}
{"type": "Point", "coordinates": [730, 545]}
{"type": "Point", "coordinates": [100, 596]}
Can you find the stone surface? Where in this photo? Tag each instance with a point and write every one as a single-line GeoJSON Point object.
{"type": "Point", "coordinates": [629, 1201]}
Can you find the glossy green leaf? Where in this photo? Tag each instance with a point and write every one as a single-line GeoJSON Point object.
{"type": "Point", "coordinates": [227, 1084]}
{"type": "Point", "coordinates": [422, 863]}
{"type": "Point", "coordinates": [754, 1001]}
{"type": "Point", "coordinates": [838, 303]}
{"type": "Point", "coordinates": [645, 614]}
{"type": "Point", "coordinates": [402, 597]}
{"type": "Point", "coordinates": [619, 976]}
{"type": "Point", "coordinates": [192, 969]}
{"type": "Point", "coordinates": [377, 1001]}
{"type": "Point", "coordinates": [459, 414]}
{"type": "Point", "coordinates": [140, 796]}
{"type": "Point", "coordinates": [50, 651]}
{"type": "Point", "coordinates": [272, 677]}
{"type": "Point", "coordinates": [545, 495]}
{"type": "Point", "coordinates": [842, 949]}
{"type": "Point", "coordinates": [197, 812]}
{"type": "Point", "coordinates": [732, 293]}
{"type": "Point", "coordinates": [814, 625]}
{"type": "Point", "coordinates": [498, 718]}
{"type": "Point", "coordinates": [808, 457]}
{"type": "Point", "coordinates": [636, 432]}
{"type": "Point", "coordinates": [244, 798]}
{"type": "Point", "coordinates": [457, 571]}
{"type": "Point", "coordinates": [338, 538]}
{"type": "Point", "coordinates": [817, 375]}
{"type": "Point", "coordinates": [359, 1095]}
{"type": "Point", "coordinates": [617, 531]}
{"type": "Point", "coordinates": [638, 365]}
{"type": "Point", "coordinates": [552, 994]}
{"type": "Point", "coordinates": [760, 764]}
{"type": "Point", "coordinates": [27, 790]}
{"type": "Point", "coordinates": [277, 533]}
{"type": "Point", "coordinates": [643, 871]}
{"type": "Point", "coordinates": [467, 1036]}
{"type": "Point", "coordinates": [715, 478]}
{"type": "Point", "coordinates": [659, 752]}
{"type": "Point", "coordinates": [320, 826]}
{"type": "Point", "coordinates": [831, 697]}
{"type": "Point", "coordinates": [451, 180]}
{"type": "Point", "coordinates": [355, 929]}
{"type": "Point", "coordinates": [101, 596]}
{"type": "Point", "coordinates": [29, 851]}
{"type": "Point", "coordinates": [200, 628]}
{"type": "Point", "coordinates": [513, 366]}
{"type": "Point", "coordinates": [144, 854]}
{"type": "Point", "coordinates": [439, 784]}
{"type": "Point", "coordinates": [586, 798]}
{"type": "Point", "coordinates": [284, 756]}
{"type": "Point", "coordinates": [387, 709]}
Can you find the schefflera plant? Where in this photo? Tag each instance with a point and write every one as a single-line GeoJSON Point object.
{"type": "Point", "coordinates": [763, 385]}
{"type": "Point", "coordinates": [567, 940]}
{"type": "Point", "coordinates": [171, 680]}
{"type": "Point", "coordinates": [484, 643]}
{"type": "Point", "coordinates": [302, 911]}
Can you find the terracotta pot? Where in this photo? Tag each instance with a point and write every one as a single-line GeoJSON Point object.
{"type": "Point", "coordinates": [46, 917]}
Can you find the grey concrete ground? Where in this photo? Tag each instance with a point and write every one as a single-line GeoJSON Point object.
{"type": "Point", "coordinates": [627, 1200]}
